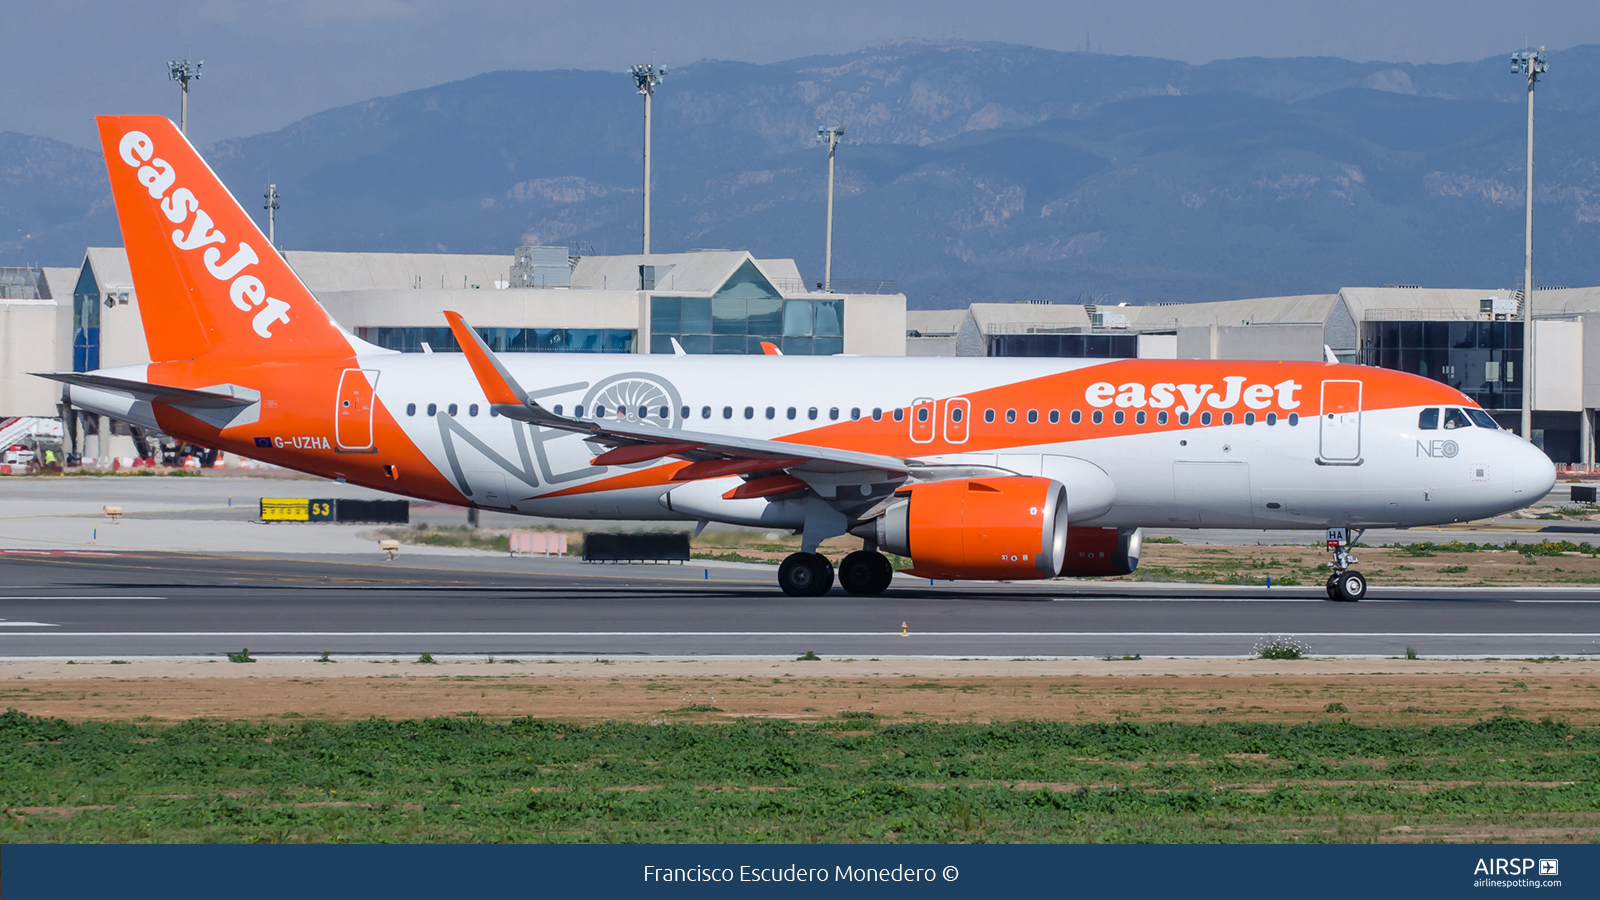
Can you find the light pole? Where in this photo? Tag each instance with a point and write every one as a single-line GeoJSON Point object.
{"type": "Point", "coordinates": [1530, 63]}
{"type": "Point", "coordinates": [271, 206]}
{"type": "Point", "coordinates": [831, 137]}
{"type": "Point", "coordinates": [183, 73]}
{"type": "Point", "coordinates": [646, 76]}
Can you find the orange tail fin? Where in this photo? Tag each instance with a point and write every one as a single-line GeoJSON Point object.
{"type": "Point", "coordinates": [206, 276]}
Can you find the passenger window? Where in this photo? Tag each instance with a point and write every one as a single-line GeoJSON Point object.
{"type": "Point", "coordinates": [1483, 419]}
{"type": "Point", "coordinates": [494, 413]}
{"type": "Point", "coordinates": [1098, 417]}
{"type": "Point", "coordinates": [1183, 418]}
{"type": "Point", "coordinates": [749, 412]}
{"type": "Point", "coordinates": [599, 411]}
{"type": "Point", "coordinates": [1272, 418]}
{"type": "Point", "coordinates": [1077, 416]}
{"type": "Point", "coordinates": [955, 414]}
{"type": "Point", "coordinates": [1455, 418]}
{"type": "Point", "coordinates": [988, 415]}
{"type": "Point", "coordinates": [811, 413]}
{"type": "Point", "coordinates": [727, 412]}
{"type": "Point", "coordinates": [772, 413]}
{"type": "Point", "coordinates": [433, 409]}
{"type": "Point", "coordinates": [684, 412]}
{"type": "Point", "coordinates": [1138, 417]}
{"type": "Point", "coordinates": [877, 414]}
{"type": "Point", "coordinates": [1011, 415]}
{"type": "Point", "coordinates": [1055, 416]}
{"type": "Point", "coordinates": [1033, 417]}
{"type": "Point", "coordinates": [1428, 420]}
{"type": "Point", "coordinates": [1118, 417]}
{"type": "Point", "coordinates": [473, 410]}
{"type": "Point", "coordinates": [666, 413]}
{"type": "Point", "coordinates": [1294, 418]}
{"type": "Point", "coordinates": [899, 415]}
{"type": "Point", "coordinates": [452, 409]}
{"type": "Point", "coordinates": [705, 412]}
{"type": "Point", "coordinates": [411, 409]}
{"type": "Point", "coordinates": [1227, 418]}
{"type": "Point", "coordinates": [1161, 417]}
{"type": "Point", "coordinates": [1250, 418]}
{"type": "Point", "coordinates": [791, 412]}
{"type": "Point", "coordinates": [855, 413]}
{"type": "Point", "coordinates": [557, 409]}
{"type": "Point", "coordinates": [833, 414]}
{"type": "Point", "coordinates": [1205, 418]}
{"type": "Point", "coordinates": [922, 414]}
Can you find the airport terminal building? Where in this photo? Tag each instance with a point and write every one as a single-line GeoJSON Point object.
{"type": "Point", "coordinates": [546, 300]}
{"type": "Point", "coordinates": [536, 300]}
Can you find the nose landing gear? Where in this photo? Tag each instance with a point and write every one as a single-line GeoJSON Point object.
{"type": "Point", "coordinates": [1344, 584]}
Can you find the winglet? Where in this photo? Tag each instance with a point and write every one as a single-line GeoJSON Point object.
{"type": "Point", "coordinates": [498, 385]}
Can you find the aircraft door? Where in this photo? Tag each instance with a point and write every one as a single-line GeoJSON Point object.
{"type": "Point", "coordinates": [924, 420]}
{"type": "Point", "coordinates": [1341, 421]}
{"type": "Point", "coordinates": [957, 411]}
{"type": "Point", "coordinates": [352, 418]}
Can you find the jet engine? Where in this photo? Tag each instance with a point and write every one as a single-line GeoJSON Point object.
{"type": "Point", "coordinates": [1005, 528]}
{"type": "Point", "coordinates": [1102, 551]}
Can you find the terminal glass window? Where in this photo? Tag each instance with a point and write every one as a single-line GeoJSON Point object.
{"type": "Point", "coordinates": [739, 325]}
{"type": "Point", "coordinates": [1066, 346]}
{"type": "Point", "coordinates": [1481, 359]}
{"type": "Point", "coordinates": [505, 340]}
{"type": "Point", "coordinates": [86, 323]}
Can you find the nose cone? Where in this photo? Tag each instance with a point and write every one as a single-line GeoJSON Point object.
{"type": "Point", "coordinates": [1532, 473]}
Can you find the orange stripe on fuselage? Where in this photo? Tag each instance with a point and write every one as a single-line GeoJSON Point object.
{"type": "Point", "coordinates": [655, 476]}
{"type": "Point", "coordinates": [298, 401]}
{"type": "Point", "coordinates": [1068, 391]}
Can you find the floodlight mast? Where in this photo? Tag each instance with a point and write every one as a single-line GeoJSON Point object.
{"type": "Point", "coordinates": [1530, 63]}
{"type": "Point", "coordinates": [183, 73]}
{"type": "Point", "coordinates": [831, 137]}
{"type": "Point", "coordinates": [271, 206]}
{"type": "Point", "coordinates": [645, 77]}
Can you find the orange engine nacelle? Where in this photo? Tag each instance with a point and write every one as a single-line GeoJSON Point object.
{"type": "Point", "coordinates": [1008, 528]}
{"type": "Point", "coordinates": [1102, 551]}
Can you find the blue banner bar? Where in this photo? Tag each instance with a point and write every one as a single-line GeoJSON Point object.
{"type": "Point", "coordinates": [1121, 871]}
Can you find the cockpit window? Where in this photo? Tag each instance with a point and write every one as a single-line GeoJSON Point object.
{"type": "Point", "coordinates": [1455, 418]}
{"type": "Point", "coordinates": [1429, 420]}
{"type": "Point", "coordinates": [1483, 419]}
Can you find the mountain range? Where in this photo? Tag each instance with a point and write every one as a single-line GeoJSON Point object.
{"type": "Point", "coordinates": [969, 172]}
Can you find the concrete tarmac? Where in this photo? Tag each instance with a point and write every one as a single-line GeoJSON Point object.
{"type": "Point", "coordinates": [103, 604]}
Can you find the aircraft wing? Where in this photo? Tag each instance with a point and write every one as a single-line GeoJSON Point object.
{"type": "Point", "coordinates": [633, 443]}
{"type": "Point", "coordinates": [153, 393]}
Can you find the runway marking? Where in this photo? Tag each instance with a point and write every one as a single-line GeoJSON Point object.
{"type": "Point", "coordinates": [5, 624]}
{"type": "Point", "coordinates": [86, 597]}
{"type": "Point", "coordinates": [893, 633]}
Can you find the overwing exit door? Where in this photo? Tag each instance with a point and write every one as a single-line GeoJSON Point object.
{"type": "Point", "coordinates": [352, 418]}
{"type": "Point", "coordinates": [1341, 421]}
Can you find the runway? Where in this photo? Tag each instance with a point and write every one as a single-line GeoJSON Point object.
{"type": "Point", "coordinates": [92, 604]}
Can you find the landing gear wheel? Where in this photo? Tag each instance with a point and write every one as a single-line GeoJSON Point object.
{"type": "Point", "coordinates": [1351, 587]}
{"type": "Point", "coordinates": [865, 572]}
{"type": "Point", "coordinates": [805, 575]}
{"type": "Point", "coordinates": [1333, 587]}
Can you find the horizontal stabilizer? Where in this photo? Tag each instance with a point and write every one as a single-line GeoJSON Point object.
{"type": "Point", "coordinates": [153, 393]}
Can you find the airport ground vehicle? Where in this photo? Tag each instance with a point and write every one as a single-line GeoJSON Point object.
{"type": "Point", "coordinates": [973, 468]}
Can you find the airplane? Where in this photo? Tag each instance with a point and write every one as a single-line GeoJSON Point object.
{"type": "Point", "coordinates": [986, 469]}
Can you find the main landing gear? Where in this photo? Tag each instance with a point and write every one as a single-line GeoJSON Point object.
{"type": "Point", "coordinates": [1344, 584]}
{"type": "Point", "coordinates": [811, 575]}
{"type": "Point", "coordinates": [805, 575]}
{"type": "Point", "coordinates": [866, 572]}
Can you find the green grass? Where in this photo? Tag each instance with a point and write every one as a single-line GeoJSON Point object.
{"type": "Point", "coordinates": [851, 779]}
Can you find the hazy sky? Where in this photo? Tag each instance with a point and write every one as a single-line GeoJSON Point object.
{"type": "Point", "coordinates": [270, 62]}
